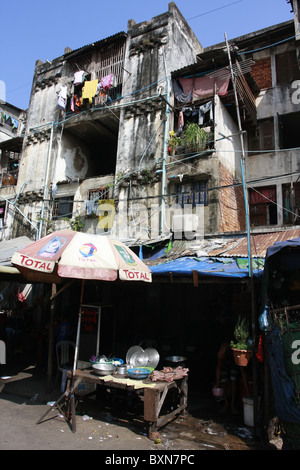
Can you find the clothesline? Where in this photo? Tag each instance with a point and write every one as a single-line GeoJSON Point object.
{"type": "Point", "coordinates": [85, 89]}
{"type": "Point", "coordinates": [187, 90]}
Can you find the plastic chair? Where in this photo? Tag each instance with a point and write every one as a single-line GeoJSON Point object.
{"type": "Point", "coordinates": [65, 351]}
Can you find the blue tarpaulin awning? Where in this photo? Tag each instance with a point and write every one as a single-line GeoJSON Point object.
{"type": "Point", "coordinates": [210, 266]}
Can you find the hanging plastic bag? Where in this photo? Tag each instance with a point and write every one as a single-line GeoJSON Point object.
{"type": "Point", "coordinates": [263, 320]}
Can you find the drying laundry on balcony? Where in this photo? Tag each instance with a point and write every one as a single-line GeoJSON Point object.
{"type": "Point", "coordinates": [79, 77]}
{"type": "Point", "coordinates": [62, 98]}
{"type": "Point", "coordinates": [107, 82]}
{"type": "Point", "coordinates": [192, 89]}
{"type": "Point", "coordinates": [89, 90]}
{"type": "Point", "coordinates": [204, 113]}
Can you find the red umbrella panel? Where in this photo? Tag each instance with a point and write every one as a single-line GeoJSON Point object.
{"type": "Point", "coordinates": [69, 254]}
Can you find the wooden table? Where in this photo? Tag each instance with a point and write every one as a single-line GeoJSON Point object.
{"type": "Point", "coordinates": [153, 395]}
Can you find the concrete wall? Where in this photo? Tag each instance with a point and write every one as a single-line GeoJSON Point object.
{"type": "Point", "coordinates": [274, 100]}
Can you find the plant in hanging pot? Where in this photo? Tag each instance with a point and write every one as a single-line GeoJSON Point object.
{"type": "Point", "coordinates": [240, 347]}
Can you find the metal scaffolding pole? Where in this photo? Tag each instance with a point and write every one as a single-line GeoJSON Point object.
{"type": "Point", "coordinates": [250, 267]}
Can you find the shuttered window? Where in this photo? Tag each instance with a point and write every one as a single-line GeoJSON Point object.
{"type": "Point", "coordinates": [287, 69]}
{"type": "Point", "coordinates": [262, 137]}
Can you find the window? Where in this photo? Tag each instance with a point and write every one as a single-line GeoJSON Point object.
{"type": "Point", "coordinates": [287, 68]}
{"type": "Point", "coordinates": [262, 137]}
{"type": "Point", "coordinates": [63, 207]}
{"type": "Point", "coordinates": [289, 130]}
{"type": "Point", "coordinates": [291, 203]}
{"type": "Point", "coordinates": [192, 193]}
{"type": "Point", "coordinates": [9, 167]}
{"type": "Point", "coordinates": [263, 207]}
{"type": "Point", "coordinates": [96, 194]}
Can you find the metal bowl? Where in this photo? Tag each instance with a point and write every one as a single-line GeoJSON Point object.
{"type": "Point", "coordinates": [131, 351]}
{"type": "Point", "coordinates": [178, 360]}
{"type": "Point", "coordinates": [153, 358]}
{"type": "Point", "coordinates": [138, 359]}
{"type": "Point", "coordinates": [104, 368]}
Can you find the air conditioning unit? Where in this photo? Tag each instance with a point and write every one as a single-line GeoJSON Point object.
{"type": "Point", "coordinates": [185, 223]}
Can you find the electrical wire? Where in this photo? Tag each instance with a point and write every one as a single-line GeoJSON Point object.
{"type": "Point", "coordinates": [215, 9]}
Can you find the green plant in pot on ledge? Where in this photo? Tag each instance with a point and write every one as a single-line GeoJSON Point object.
{"type": "Point", "coordinates": [240, 347]}
{"type": "Point", "coordinates": [194, 137]}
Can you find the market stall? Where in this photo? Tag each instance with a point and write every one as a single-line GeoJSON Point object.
{"type": "Point", "coordinates": [152, 393]}
{"type": "Point", "coordinates": [68, 255]}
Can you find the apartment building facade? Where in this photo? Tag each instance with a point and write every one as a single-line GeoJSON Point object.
{"type": "Point", "coordinates": [106, 145]}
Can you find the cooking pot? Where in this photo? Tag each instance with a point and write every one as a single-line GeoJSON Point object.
{"type": "Point", "coordinates": [121, 369]}
{"type": "Point", "coordinates": [176, 360]}
{"type": "Point", "coordinates": [104, 368]}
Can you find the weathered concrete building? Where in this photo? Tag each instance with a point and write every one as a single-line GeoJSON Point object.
{"type": "Point", "coordinates": [266, 70]}
{"type": "Point", "coordinates": [96, 116]}
{"type": "Point", "coordinates": [107, 144]}
{"type": "Point", "coordinates": [12, 125]}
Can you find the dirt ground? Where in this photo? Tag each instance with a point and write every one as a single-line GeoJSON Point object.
{"type": "Point", "coordinates": [24, 400]}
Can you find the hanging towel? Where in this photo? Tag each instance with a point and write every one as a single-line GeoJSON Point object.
{"type": "Point", "coordinates": [90, 207]}
{"type": "Point", "coordinates": [79, 77]}
{"type": "Point", "coordinates": [89, 90]}
{"type": "Point", "coordinates": [205, 108]}
{"type": "Point", "coordinates": [180, 121]}
{"type": "Point", "coordinates": [179, 93]}
{"type": "Point", "coordinates": [62, 98]}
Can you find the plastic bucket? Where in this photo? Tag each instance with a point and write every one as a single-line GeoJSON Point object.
{"type": "Point", "coordinates": [248, 411]}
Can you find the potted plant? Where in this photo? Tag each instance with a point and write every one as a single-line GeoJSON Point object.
{"type": "Point", "coordinates": [195, 138]}
{"type": "Point", "coordinates": [240, 347]}
{"type": "Point", "coordinates": [173, 142]}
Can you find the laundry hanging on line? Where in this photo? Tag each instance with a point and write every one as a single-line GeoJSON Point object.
{"type": "Point", "coordinates": [62, 98]}
{"type": "Point", "coordinates": [192, 89]}
{"type": "Point", "coordinates": [89, 90]}
{"type": "Point", "coordinates": [79, 77]}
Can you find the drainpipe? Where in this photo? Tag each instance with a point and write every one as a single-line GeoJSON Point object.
{"type": "Point", "coordinates": [165, 150]}
{"type": "Point", "coordinates": [46, 182]}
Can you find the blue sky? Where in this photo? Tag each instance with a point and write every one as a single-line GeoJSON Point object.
{"type": "Point", "coordinates": [33, 30]}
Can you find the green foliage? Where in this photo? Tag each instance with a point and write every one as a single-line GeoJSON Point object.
{"type": "Point", "coordinates": [195, 137]}
{"type": "Point", "coordinates": [174, 141]}
{"type": "Point", "coordinates": [77, 224]}
{"type": "Point", "coordinates": [241, 334]}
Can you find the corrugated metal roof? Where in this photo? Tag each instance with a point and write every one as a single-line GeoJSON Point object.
{"type": "Point", "coordinates": [101, 42]}
{"type": "Point", "coordinates": [259, 243]}
{"type": "Point", "coordinates": [8, 247]}
{"type": "Point", "coordinates": [234, 246]}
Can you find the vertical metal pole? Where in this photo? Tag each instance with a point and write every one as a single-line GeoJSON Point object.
{"type": "Point", "coordinates": [165, 149]}
{"type": "Point", "coordinates": [98, 332]}
{"type": "Point", "coordinates": [46, 182]}
{"type": "Point", "coordinates": [78, 331]}
{"type": "Point", "coordinates": [250, 268]}
{"type": "Point", "coordinates": [51, 340]}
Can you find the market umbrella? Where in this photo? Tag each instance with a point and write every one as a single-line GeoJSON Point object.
{"type": "Point", "coordinates": [70, 254]}
{"type": "Point", "coordinates": [76, 255]}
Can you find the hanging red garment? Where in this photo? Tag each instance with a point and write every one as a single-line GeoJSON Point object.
{"type": "Point", "coordinates": [204, 87]}
{"type": "Point", "coordinates": [263, 195]}
{"type": "Point", "coordinates": [260, 352]}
